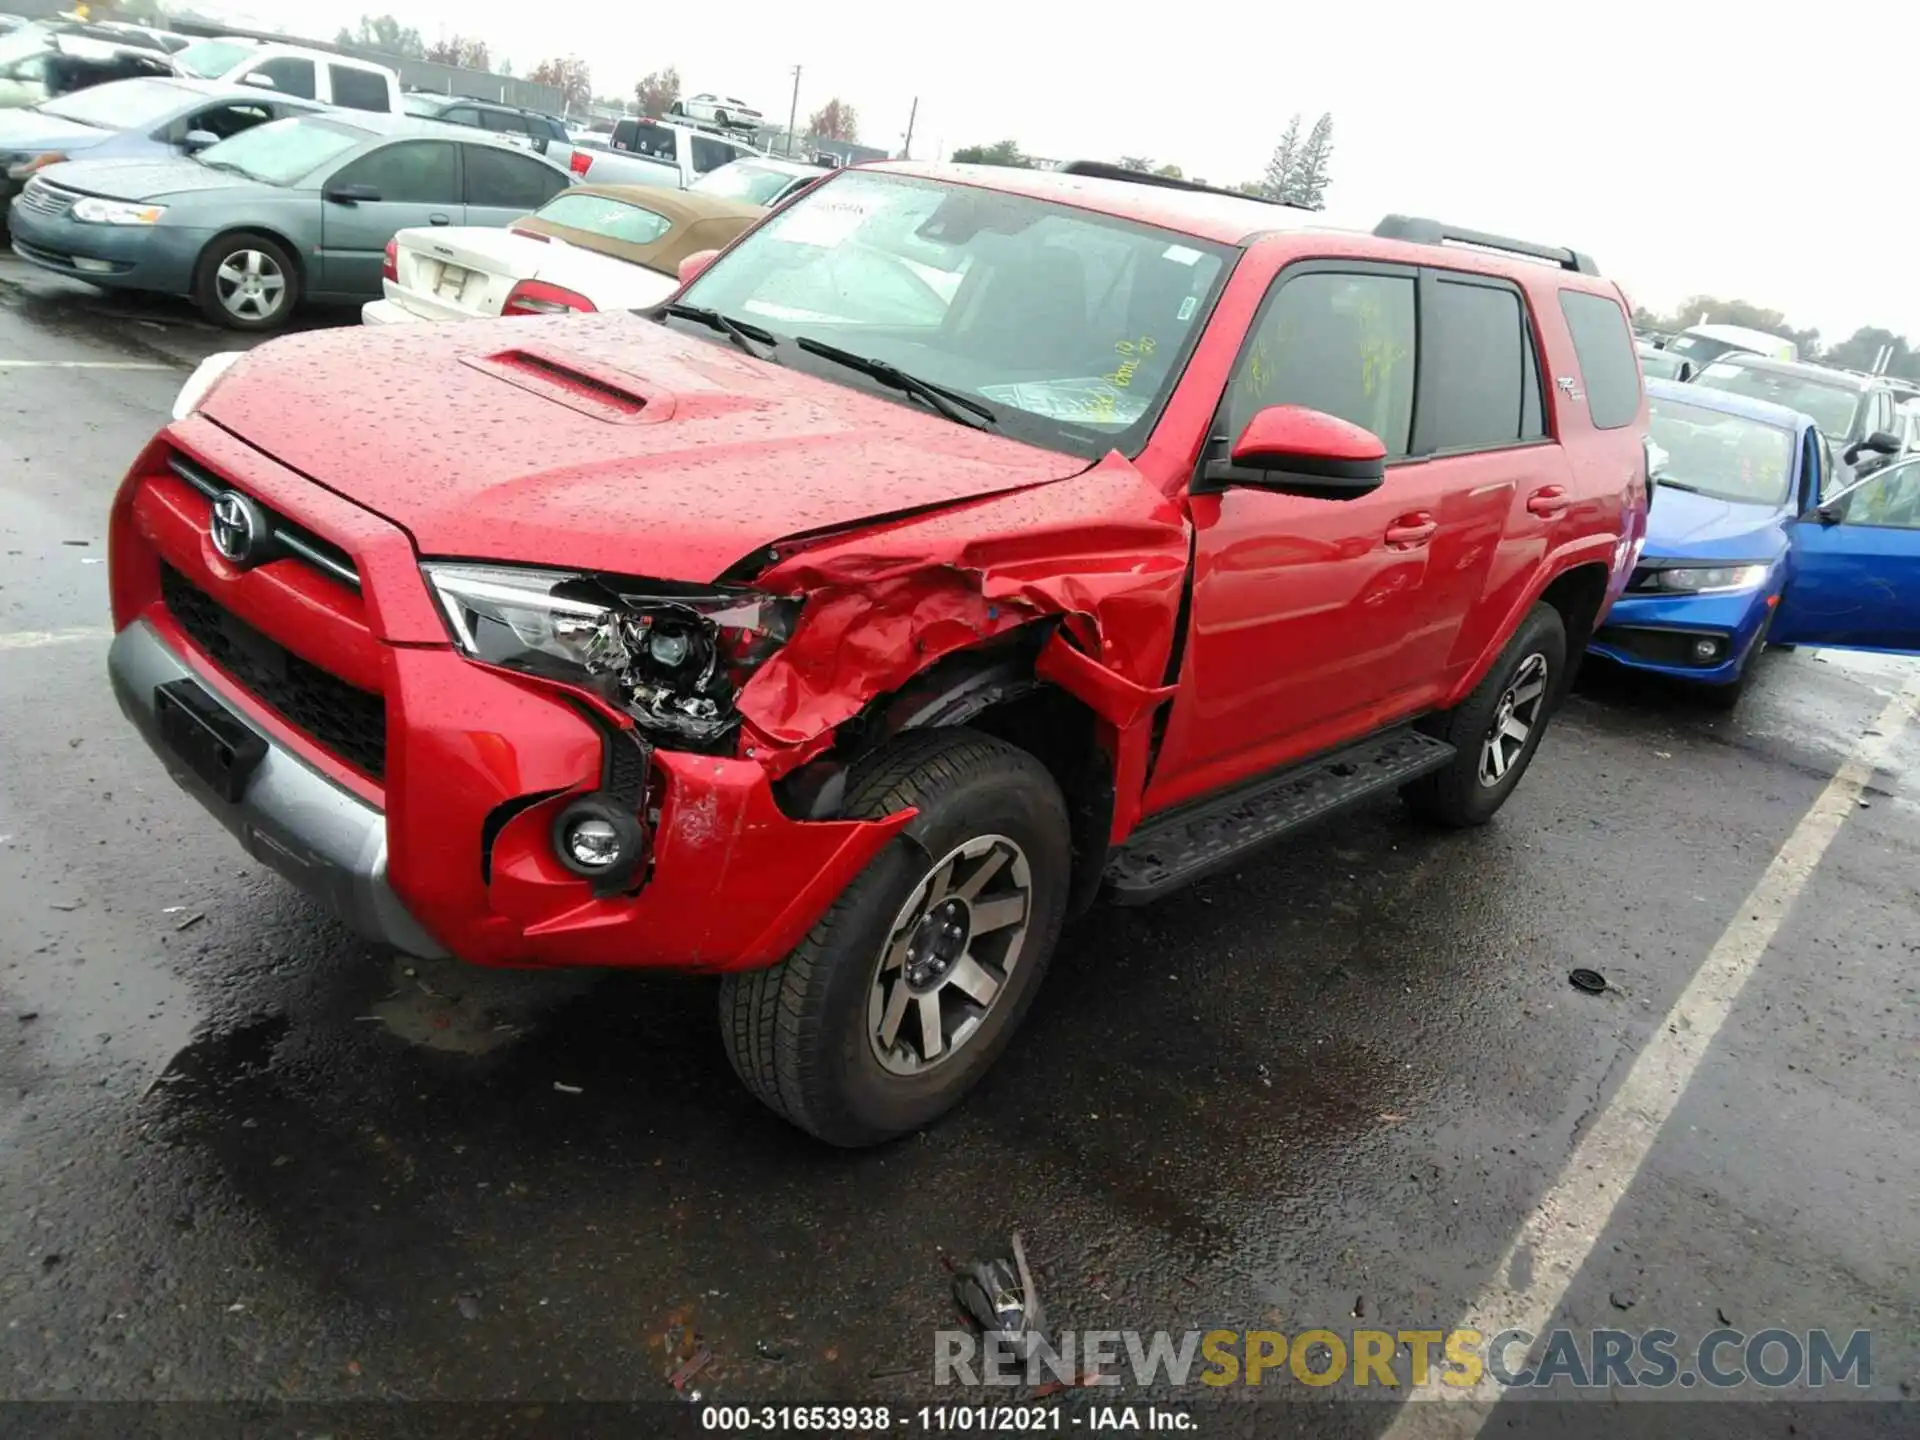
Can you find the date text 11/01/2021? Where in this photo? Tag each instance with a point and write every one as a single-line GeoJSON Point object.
{"type": "Point", "coordinates": [974, 1419]}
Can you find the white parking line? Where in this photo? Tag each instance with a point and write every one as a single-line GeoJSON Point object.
{"type": "Point", "coordinates": [86, 365]}
{"type": "Point", "coordinates": [36, 639]}
{"type": "Point", "coordinates": [1563, 1228]}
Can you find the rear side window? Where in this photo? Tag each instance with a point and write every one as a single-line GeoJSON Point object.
{"type": "Point", "coordinates": [1344, 344]}
{"type": "Point", "coordinates": [412, 172]}
{"type": "Point", "coordinates": [505, 180]}
{"type": "Point", "coordinates": [603, 215]}
{"type": "Point", "coordinates": [1479, 379]}
{"type": "Point", "coordinates": [359, 89]}
{"type": "Point", "coordinates": [290, 75]}
{"type": "Point", "coordinates": [1608, 370]}
{"type": "Point", "coordinates": [711, 154]}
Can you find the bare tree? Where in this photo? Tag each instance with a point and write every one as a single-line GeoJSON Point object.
{"type": "Point", "coordinates": [835, 120]}
{"type": "Point", "coordinates": [657, 90]}
{"type": "Point", "coordinates": [569, 76]}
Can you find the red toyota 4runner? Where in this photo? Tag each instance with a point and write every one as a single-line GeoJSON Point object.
{"type": "Point", "coordinates": [960, 543]}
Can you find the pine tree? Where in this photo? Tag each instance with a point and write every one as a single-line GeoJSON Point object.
{"type": "Point", "coordinates": [1311, 171]}
{"type": "Point", "coordinates": [1277, 182]}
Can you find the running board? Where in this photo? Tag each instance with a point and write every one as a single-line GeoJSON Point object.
{"type": "Point", "coordinates": [1198, 839]}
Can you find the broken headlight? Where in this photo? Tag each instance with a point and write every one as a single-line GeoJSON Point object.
{"type": "Point", "coordinates": [674, 657]}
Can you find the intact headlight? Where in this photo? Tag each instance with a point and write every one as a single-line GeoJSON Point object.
{"type": "Point", "coordinates": [116, 212]}
{"type": "Point", "coordinates": [201, 382]}
{"type": "Point", "coordinates": [674, 657]}
{"type": "Point", "coordinates": [1704, 580]}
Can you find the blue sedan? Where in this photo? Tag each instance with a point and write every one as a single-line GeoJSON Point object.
{"type": "Point", "coordinates": [1750, 542]}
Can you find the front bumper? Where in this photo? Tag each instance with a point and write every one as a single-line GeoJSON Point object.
{"type": "Point", "coordinates": [1659, 633]}
{"type": "Point", "coordinates": [439, 838]}
{"type": "Point", "coordinates": [330, 843]}
{"type": "Point", "coordinates": [160, 258]}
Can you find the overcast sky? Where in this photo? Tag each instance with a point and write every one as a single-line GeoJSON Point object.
{"type": "Point", "coordinates": [1690, 145]}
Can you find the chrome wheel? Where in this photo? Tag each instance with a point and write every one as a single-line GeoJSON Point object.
{"type": "Point", "coordinates": [1514, 719]}
{"type": "Point", "coordinates": [949, 955]}
{"type": "Point", "coordinates": [250, 285]}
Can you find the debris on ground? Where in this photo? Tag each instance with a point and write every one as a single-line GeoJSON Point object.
{"type": "Point", "coordinates": [1722, 1314]}
{"type": "Point", "coordinates": [468, 1304]}
{"type": "Point", "coordinates": [700, 1359]}
{"type": "Point", "coordinates": [771, 1352]}
{"type": "Point", "coordinates": [65, 905]}
{"type": "Point", "coordinates": [1590, 982]}
{"type": "Point", "coordinates": [566, 1089]}
{"type": "Point", "coordinates": [1359, 1307]}
{"type": "Point", "coordinates": [191, 920]}
{"type": "Point", "coordinates": [1622, 1299]}
{"type": "Point", "coordinates": [1001, 1298]}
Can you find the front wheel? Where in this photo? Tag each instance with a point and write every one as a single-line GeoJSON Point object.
{"type": "Point", "coordinates": [1497, 728]}
{"type": "Point", "coordinates": [910, 986]}
{"type": "Point", "coordinates": [246, 282]}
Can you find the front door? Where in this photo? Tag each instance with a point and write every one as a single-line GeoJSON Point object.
{"type": "Point", "coordinates": [1855, 579]}
{"type": "Point", "coordinates": [504, 185]}
{"type": "Point", "coordinates": [409, 183]}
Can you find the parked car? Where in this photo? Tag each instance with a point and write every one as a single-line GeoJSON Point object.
{"type": "Point", "coordinates": [692, 153]}
{"type": "Point", "coordinates": [1751, 542]}
{"type": "Point", "coordinates": [298, 209]}
{"type": "Point", "coordinates": [726, 111]}
{"type": "Point", "coordinates": [130, 119]}
{"type": "Point", "coordinates": [590, 248]}
{"type": "Point", "coordinates": [547, 136]}
{"type": "Point", "coordinates": [841, 632]}
{"type": "Point", "coordinates": [1659, 364]}
{"type": "Point", "coordinates": [1855, 413]}
{"type": "Point", "coordinates": [43, 63]}
{"type": "Point", "coordinates": [1701, 343]}
{"type": "Point", "coordinates": [10, 23]}
{"type": "Point", "coordinates": [762, 181]}
{"type": "Point", "coordinates": [323, 75]}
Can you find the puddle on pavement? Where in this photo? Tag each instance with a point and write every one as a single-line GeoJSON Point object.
{"type": "Point", "coordinates": [216, 1060]}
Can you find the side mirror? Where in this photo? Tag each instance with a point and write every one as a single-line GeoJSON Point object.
{"type": "Point", "coordinates": [1297, 451]}
{"type": "Point", "coordinates": [265, 82]}
{"type": "Point", "coordinates": [198, 140]}
{"type": "Point", "coordinates": [1882, 443]}
{"type": "Point", "coordinates": [689, 269]}
{"type": "Point", "coordinates": [352, 194]}
{"type": "Point", "coordinates": [1686, 372]}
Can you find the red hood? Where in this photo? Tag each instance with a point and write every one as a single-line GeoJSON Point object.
{"type": "Point", "coordinates": [607, 442]}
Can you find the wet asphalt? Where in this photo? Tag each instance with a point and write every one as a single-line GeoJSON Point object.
{"type": "Point", "coordinates": [243, 1156]}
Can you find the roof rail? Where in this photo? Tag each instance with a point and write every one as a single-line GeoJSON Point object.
{"type": "Point", "coordinates": [1432, 232]}
{"type": "Point", "coordinates": [1105, 170]}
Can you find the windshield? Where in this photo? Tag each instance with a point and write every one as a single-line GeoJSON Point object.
{"type": "Point", "coordinates": [281, 151]}
{"type": "Point", "coordinates": [1831, 406]}
{"type": "Point", "coordinates": [1073, 325]}
{"type": "Point", "coordinates": [1726, 456]}
{"type": "Point", "coordinates": [210, 59]}
{"type": "Point", "coordinates": [1698, 348]}
{"type": "Point", "coordinates": [1659, 365]}
{"type": "Point", "coordinates": [755, 184]}
{"type": "Point", "coordinates": [603, 215]}
{"type": "Point", "coordinates": [122, 105]}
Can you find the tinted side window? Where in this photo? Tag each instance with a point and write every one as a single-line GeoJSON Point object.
{"type": "Point", "coordinates": [290, 76]}
{"type": "Point", "coordinates": [500, 122]}
{"type": "Point", "coordinates": [413, 172]}
{"type": "Point", "coordinates": [225, 121]}
{"type": "Point", "coordinates": [1476, 368]}
{"type": "Point", "coordinates": [507, 181]}
{"type": "Point", "coordinates": [461, 115]}
{"type": "Point", "coordinates": [1604, 346]}
{"type": "Point", "coordinates": [711, 154]}
{"type": "Point", "coordinates": [1344, 344]}
{"type": "Point", "coordinates": [359, 89]}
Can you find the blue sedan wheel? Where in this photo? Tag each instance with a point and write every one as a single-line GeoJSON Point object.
{"type": "Point", "coordinates": [246, 282]}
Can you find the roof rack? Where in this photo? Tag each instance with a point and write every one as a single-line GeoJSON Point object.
{"type": "Point", "coordinates": [1432, 232]}
{"type": "Point", "coordinates": [1105, 170]}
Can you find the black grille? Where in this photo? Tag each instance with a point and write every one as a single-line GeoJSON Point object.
{"type": "Point", "coordinates": [1665, 647]}
{"type": "Point", "coordinates": [349, 722]}
{"type": "Point", "coordinates": [283, 537]}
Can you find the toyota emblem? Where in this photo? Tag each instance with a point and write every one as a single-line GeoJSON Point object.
{"type": "Point", "coordinates": [238, 530]}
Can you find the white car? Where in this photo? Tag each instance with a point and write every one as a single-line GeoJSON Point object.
{"type": "Point", "coordinates": [726, 111]}
{"type": "Point", "coordinates": [294, 70]}
{"type": "Point", "coordinates": [593, 247]}
{"type": "Point", "coordinates": [691, 152]}
{"type": "Point", "coordinates": [762, 180]}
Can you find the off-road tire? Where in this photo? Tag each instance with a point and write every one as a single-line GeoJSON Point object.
{"type": "Point", "coordinates": [1453, 796]}
{"type": "Point", "coordinates": [797, 1033]}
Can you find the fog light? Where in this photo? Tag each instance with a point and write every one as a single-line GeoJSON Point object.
{"type": "Point", "coordinates": [92, 267]}
{"type": "Point", "coordinates": [1706, 649]}
{"type": "Point", "coordinates": [599, 838]}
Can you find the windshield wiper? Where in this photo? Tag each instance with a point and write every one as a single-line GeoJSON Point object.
{"type": "Point", "coordinates": [1663, 482]}
{"type": "Point", "coordinates": [962, 409]}
{"type": "Point", "coordinates": [738, 331]}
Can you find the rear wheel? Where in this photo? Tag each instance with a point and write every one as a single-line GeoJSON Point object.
{"type": "Point", "coordinates": [1497, 728]}
{"type": "Point", "coordinates": [246, 282]}
{"type": "Point", "coordinates": [910, 986]}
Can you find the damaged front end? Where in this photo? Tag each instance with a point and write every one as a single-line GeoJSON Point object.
{"type": "Point", "coordinates": [674, 657]}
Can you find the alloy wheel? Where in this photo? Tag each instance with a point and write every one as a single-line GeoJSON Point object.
{"type": "Point", "coordinates": [250, 284]}
{"type": "Point", "coordinates": [949, 955]}
{"type": "Point", "coordinates": [1521, 707]}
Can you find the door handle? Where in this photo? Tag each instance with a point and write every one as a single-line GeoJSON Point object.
{"type": "Point", "coordinates": [1548, 501]}
{"type": "Point", "coordinates": [1409, 532]}
{"type": "Point", "coordinates": [438, 219]}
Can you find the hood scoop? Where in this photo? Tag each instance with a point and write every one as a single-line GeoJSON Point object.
{"type": "Point", "coordinates": [596, 391]}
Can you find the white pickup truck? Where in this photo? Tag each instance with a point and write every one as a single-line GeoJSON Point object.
{"type": "Point", "coordinates": [692, 153]}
